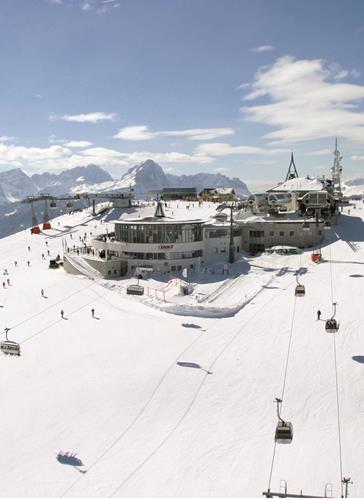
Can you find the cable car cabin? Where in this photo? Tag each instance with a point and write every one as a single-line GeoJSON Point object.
{"type": "Point", "coordinates": [10, 347]}
{"type": "Point", "coordinates": [284, 432]}
{"type": "Point", "coordinates": [69, 204]}
{"type": "Point", "coordinates": [135, 290]}
{"type": "Point", "coordinates": [53, 204]}
{"type": "Point", "coordinates": [331, 326]}
{"type": "Point", "coordinates": [300, 291]}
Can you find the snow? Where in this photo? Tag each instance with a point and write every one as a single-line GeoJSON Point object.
{"type": "Point", "coordinates": [110, 388]}
{"type": "Point", "coordinates": [300, 184]}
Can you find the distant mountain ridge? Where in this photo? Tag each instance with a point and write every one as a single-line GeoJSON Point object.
{"type": "Point", "coordinates": [149, 176]}
{"type": "Point", "coordinates": [15, 184]}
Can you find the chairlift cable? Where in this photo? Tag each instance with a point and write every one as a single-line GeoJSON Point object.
{"type": "Point", "coordinates": [284, 379]}
{"type": "Point", "coordinates": [337, 386]}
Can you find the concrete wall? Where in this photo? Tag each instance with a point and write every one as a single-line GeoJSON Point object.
{"type": "Point", "coordinates": [300, 237]}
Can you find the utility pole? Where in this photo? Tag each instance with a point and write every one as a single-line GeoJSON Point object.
{"type": "Point", "coordinates": [231, 243]}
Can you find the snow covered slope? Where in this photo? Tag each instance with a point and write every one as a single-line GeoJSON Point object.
{"type": "Point", "coordinates": [353, 187]}
{"type": "Point", "coordinates": [138, 402]}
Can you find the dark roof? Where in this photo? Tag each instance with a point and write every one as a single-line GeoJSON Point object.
{"type": "Point", "coordinates": [180, 190]}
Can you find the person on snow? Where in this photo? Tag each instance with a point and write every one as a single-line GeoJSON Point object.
{"type": "Point", "coordinates": [318, 314]}
{"type": "Point", "coordinates": [42, 292]}
{"type": "Point", "coordinates": [93, 312]}
{"type": "Point", "coordinates": [62, 313]}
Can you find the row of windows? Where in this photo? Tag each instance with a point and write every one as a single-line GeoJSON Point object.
{"type": "Point", "coordinates": [166, 233]}
{"type": "Point", "coordinates": [260, 234]}
{"type": "Point", "coordinates": [162, 256]}
{"type": "Point", "coordinates": [223, 233]}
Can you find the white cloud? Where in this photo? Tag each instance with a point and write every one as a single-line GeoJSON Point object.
{"type": "Point", "coordinates": [221, 170]}
{"type": "Point", "coordinates": [143, 133]}
{"type": "Point", "coordinates": [78, 144]}
{"type": "Point", "coordinates": [5, 138]}
{"type": "Point", "coordinates": [305, 102]}
{"type": "Point", "coordinates": [242, 86]}
{"type": "Point", "coordinates": [86, 6]}
{"type": "Point", "coordinates": [263, 48]}
{"type": "Point", "coordinates": [320, 152]}
{"type": "Point", "coordinates": [135, 133]}
{"type": "Point", "coordinates": [84, 117]}
{"type": "Point", "coordinates": [11, 153]}
{"type": "Point", "coordinates": [222, 149]}
{"type": "Point", "coordinates": [357, 157]}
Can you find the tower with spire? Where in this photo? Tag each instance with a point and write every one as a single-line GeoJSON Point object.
{"type": "Point", "coordinates": [336, 169]}
{"type": "Point", "coordinates": [292, 170]}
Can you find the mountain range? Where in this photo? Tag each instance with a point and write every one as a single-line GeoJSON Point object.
{"type": "Point", "coordinates": [15, 185]}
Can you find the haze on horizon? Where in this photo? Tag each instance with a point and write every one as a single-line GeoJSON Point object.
{"type": "Point", "coordinates": [228, 86]}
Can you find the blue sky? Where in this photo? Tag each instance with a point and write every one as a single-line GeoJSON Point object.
{"type": "Point", "coordinates": [230, 86]}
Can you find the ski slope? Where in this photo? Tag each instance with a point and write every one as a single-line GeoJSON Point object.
{"type": "Point", "coordinates": [156, 404]}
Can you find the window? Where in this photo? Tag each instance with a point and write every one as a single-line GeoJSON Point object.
{"type": "Point", "coordinates": [256, 234]}
{"type": "Point", "coordinates": [281, 233]}
{"type": "Point", "coordinates": [291, 233]}
{"type": "Point", "coordinates": [271, 233]}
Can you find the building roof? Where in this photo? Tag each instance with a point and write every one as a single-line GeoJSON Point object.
{"type": "Point", "coordinates": [300, 184]}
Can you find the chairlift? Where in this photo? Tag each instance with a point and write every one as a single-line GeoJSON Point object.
{"type": "Point", "coordinates": [135, 290]}
{"type": "Point", "coordinates": [10, 347]}
{"type": "Point", "coordinates": [284, 430]}
{"type": "Point", "coordinates": [331, 325]}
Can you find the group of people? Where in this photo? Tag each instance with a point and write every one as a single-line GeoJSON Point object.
{"type": "Point", "coordinates": [92, 312]}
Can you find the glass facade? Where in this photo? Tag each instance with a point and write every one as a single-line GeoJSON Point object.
{"type": "Point", "coordinates": [158, 233]}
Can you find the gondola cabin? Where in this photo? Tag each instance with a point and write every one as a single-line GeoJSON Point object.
{"type": "Point", "coordinates": [300, 291]}
{"type": "Point", "coordinates": [135, 290]}
{"type": "Point", "coordinates": [10, 347]}
{"type": "Point", "coordinates": [331, 326]}
{"type": "Point", "coordinates": [53, 204]}
{"type": "Point", "coordinates": [69, 204]}
{"type": "Point", "coordinates": [284, 432]}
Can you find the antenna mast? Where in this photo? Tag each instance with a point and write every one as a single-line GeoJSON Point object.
{"type": "Point", "coordinates": [337, 169]}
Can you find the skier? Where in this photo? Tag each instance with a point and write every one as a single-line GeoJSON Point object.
{"type": "Point", "coordinates": [16, 263]}
{"type": "Point", "coordinates": [8, 282]}
{"type": "Point", "coordinates": [3, 284]}
{"type": "Point", "coordinates": [62, 313]}
{"type": "Point", "coordinates": [318, 314]}
{"type": "Point", "coordinates": [28, 249]}
{"type": "Point", "coordinates": [43, 256]}
{"type": "Point", "coordinates": [42, 292]}
{"type": "Point", "coordinates": [28, 262]}
{"type": "Point", "coordinates": [93, 312]}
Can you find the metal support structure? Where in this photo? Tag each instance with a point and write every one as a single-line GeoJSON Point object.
{"type": "Point", "coordinates": [271, 494]}
{"type": "Point", "coordinates": [93, 207]}
{"type": "Point", "coordinates": [231, 242]}
{"type": "Point", "coordinates": [346, 481]}
{"type": "Point", "coordinates": [292, 170]}
{"type": "Point", "coordinates": [34, 217]}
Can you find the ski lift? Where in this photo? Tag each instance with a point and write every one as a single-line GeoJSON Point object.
{"type": "Point", "coordinates": [69, 204]}
{"type": "Point", "coordinates": [284, 430]}
{"type": "Point", "coordinates": [300, 290]}
{"type": "Point", "coordinates": [316, 256]}
{"type": "Point", "coordinates": [306, 226]}
{"type": "Point", "coordinates": [331, 325]}
{"type": "Point", "coordinates": [135, 290]}
{"type": "Point", "coordinates": [9, 347]}
{"type": "Point", "coordinates": [53, 204]}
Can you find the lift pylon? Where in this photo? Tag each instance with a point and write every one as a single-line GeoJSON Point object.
{"type": "Point", "coordinates": [46, 223]}
{"type": "Point", "coordinates": [35, 228]}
